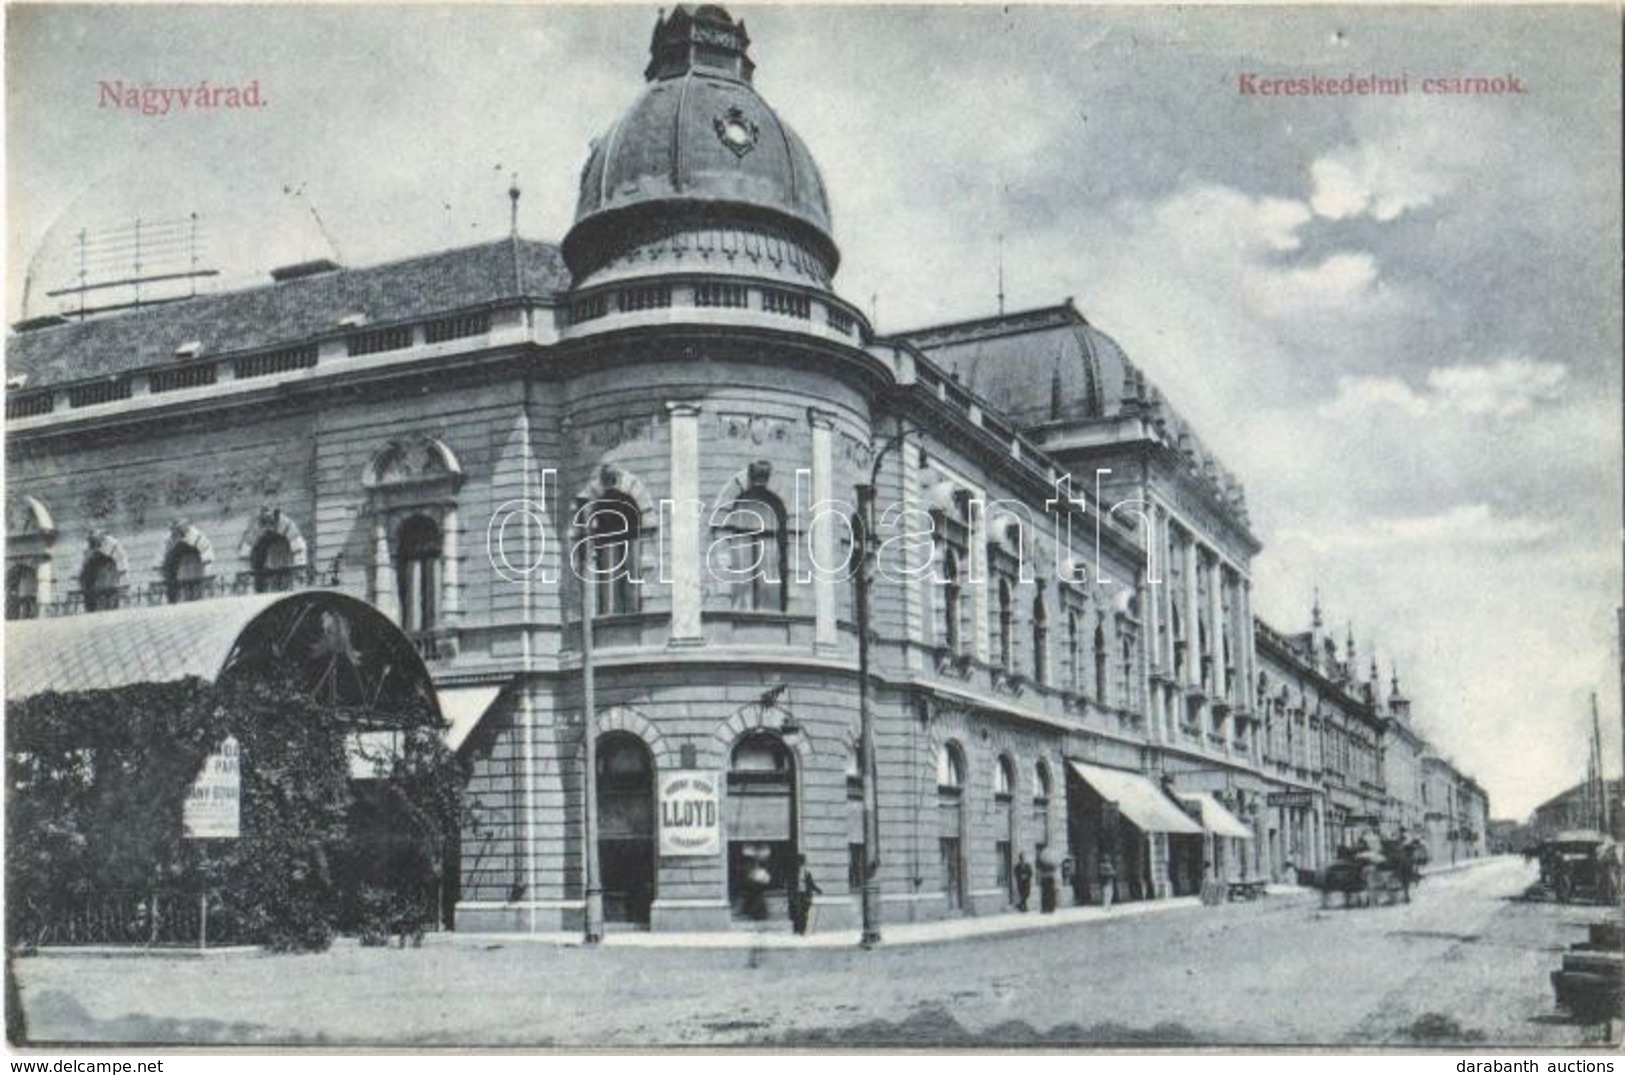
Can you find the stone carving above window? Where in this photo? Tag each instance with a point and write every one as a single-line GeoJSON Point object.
{"type": "Point", "coordinates": [412, 461]}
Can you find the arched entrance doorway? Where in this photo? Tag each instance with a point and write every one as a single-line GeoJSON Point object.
{"type": "Point", "coordinates": [761, 825]}
{"type": "Point", "coordinates": [626, 827]}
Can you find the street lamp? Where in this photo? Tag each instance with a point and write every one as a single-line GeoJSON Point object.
{"type": "Point", "coordinates": [866, 721]}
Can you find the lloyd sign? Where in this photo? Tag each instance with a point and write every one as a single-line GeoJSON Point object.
{"type": "Point", "coordinates": [690, 814]}
{"type": "Point", "coordinates": [211, 809]}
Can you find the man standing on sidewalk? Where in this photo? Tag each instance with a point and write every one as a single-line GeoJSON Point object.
{"type": "Point", "coordinates": [1108, 882]}
{"type": "Point", "coordinates": [1024, 880]}
{"type": "Point", "coordinates": [802, 890]}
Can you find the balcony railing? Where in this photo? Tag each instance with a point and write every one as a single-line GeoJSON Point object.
{"type": "Point", "coordinates": [280, 580]}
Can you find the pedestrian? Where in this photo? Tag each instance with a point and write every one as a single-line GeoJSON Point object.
{"type": "Point", "coordinates": [1046, 881]}
{"type": "Point", "coordinates": [1108, 882]}
{"type": "Point", "coordinates": [1024, 880]}
{"type": "Point", "coordinates": [802, 890]}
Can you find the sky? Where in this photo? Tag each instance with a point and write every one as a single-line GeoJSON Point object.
{"type": "Point", "coordinates": [1397, 318]}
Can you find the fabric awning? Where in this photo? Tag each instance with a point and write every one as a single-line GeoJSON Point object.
{"type": "Point", "coordinates": [463, 708]}
{"type": "Point", "coordinates": [1215, 818]}
{"type": "Point", "coordinates": [1137, 799]}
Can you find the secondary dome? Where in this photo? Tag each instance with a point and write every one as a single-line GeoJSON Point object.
{"type": "Point", "coordinates": [699, 147]}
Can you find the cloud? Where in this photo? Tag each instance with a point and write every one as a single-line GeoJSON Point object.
{"type": "Point", "coordinates": [1501, 389]}
{"type": "Point", "coordinates": [1509, 387]}
{"type": "Point", "coordinates": [1464, 526]}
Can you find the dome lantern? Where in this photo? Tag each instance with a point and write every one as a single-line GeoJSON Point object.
{"type": "Point", "coordinates": [707, 41]}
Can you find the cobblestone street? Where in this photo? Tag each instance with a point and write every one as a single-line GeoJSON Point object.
{"type": "Point", "coordinates": [1462, 965]}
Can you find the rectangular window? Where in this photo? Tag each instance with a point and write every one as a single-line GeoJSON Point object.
{"type": "Point", "coordinates": [88, 395]}
{"type": "Point", "coordinates": [173, 380]}
{"type": "Point", "coordinates": [270, 363]}
{"type": "Point", "coordinates": [730, 295]}
{"type": "Point", "coordinates": [31, 405]}
{"type": "Point", "coordinates": [588, 309]}
{"type": "Point", "coordinates": [376, 341]}
{"type": "Point", "coordinates": [456, 328]}
{"type": "Point", "coordinates": [854, 867]}
{"type": "Point", "coordinates": [654, 297]}
{"type": "Point", "coordinates": [787, 303]}
{"type": "Point", "coordinates": [1001, 862]}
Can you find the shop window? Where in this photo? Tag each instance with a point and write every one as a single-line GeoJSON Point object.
{"type": "Point", "coordinates": [417, 567]}
{"type": "Point", "coordinates": [755, 535]}
{"type": "Point", "coordinates": [22, 592]}
{"type": "Point", "coordinates": [183, 575]}
{"type": "Point", "coordinates": [272, 564]}
{"type": "Point", "coordinates": [101, 583]}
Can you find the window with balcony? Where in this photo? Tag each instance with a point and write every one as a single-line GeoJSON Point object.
{"type": "Point", "coordinates": [417, 573]}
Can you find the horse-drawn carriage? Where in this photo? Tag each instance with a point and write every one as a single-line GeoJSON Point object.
{"type": "Point", "coordinates": [1375, 872]}
{"type": "Point", "coordinates": [1580, 866]}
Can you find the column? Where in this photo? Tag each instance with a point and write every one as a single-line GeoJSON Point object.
{"type": "Point", "coordinates": [383, 571]}
{"type": "Point", "coordinates": [823, 535]}
{"type": "Point", "coordinates": [686, 593]}
{"type": "Point", "coordinates": [1150, 600]}
{"type": "Point", "coordinates": [977, 583]}
{"type": "Point", "coordinates": [1193, 633]}
{"type": "Point", "coordinates": [1215, 633]}
{"type": "Point", "coordinates": [451, 592]}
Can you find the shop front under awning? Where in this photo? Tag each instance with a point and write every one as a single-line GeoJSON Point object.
{"type": "Point", "coordinates": [464, 708]}
{"type": "Point", "coordinates": [1215, 818]}
{"type": "Point", "coordinates": [1137, 799]}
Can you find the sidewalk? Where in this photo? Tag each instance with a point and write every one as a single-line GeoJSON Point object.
{"type": "Point", "coordinates": [894, 935]}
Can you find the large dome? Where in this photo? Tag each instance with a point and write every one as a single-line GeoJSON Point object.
{"type": "Point", "coordinates": [700, 146]}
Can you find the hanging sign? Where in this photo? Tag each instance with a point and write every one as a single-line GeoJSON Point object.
{"type": "Point", "coordinates": [690, 814]}
{"type": "Point", "coordinates": [211, 811]}
{"type": "Point", "coordinates": [1290, 798]}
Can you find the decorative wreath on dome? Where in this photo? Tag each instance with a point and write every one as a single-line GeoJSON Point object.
{"type": "Point", "coordinates": [736, 132]}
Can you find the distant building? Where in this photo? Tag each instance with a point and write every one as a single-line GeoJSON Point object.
{"type": "Point", "coordinates": [1574, 808]}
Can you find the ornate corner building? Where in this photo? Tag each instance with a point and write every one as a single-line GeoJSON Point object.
{"type": "Point", "coordinates": [675, 404]}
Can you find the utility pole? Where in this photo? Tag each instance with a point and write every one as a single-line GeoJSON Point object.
{"type": "Point", "coordinates": [593, 918]}
{"type": "Point", "coordinates": [866, 719]}
{"type": "Point", "coordinates": [1602, 782]}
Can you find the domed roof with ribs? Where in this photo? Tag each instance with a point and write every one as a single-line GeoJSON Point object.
{"type": "Point", "coordinates": [700, 145]}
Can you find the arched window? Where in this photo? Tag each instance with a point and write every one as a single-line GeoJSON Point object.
{"type": "Point", "coordinates": [755, 526]}
{"type": "Point", "coordinates": [1007, 615]}
{"type": "Point", "coordinates": [272, 564]}
{"type": "Point", "coordinates": [950, 768]}
{"type": "Point", "coordinates": [1125, 673]}
{"type": "Point", "coordinates": [1074, 654]}
{"type": "Point", "coordinates": [952, 600]}
{"type": "Point", "coordinates": [614, 525]}
{"type": "Point", "coordinates": [183, 574]}
{"type": "Point", "coordinates": [417, 567]}
{"type": "Point", "coordinates": [100, 581]}
{"type": "Point", "coordinates": [1004, 778]}
{"type": "Point", "coordinates": [761, 825]}
{"type": "Point", "coordinates": [1041, 794]}
{"type": "Point", "coordinates": [1040, 640]}
{"type": "Point", "coordinates": [22, 592]}
{"type": "Point", "coordinates": [1100, 664]}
